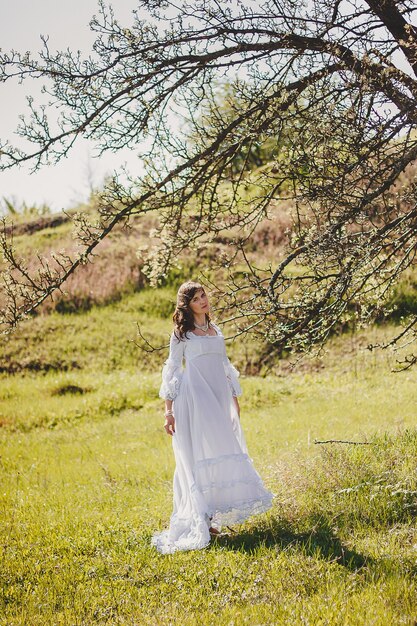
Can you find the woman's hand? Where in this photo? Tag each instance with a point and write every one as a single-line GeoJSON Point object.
{"type": "Point", "coordinates": [169, 424]}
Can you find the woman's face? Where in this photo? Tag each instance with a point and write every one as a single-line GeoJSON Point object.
{"type": "Point", "coordinates": [199, 303]}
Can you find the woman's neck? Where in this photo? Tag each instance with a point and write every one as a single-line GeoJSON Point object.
{"type": "Point", "coordinates": [200, 319]}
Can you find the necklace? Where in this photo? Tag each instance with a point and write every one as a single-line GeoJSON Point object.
{"type": "Point", "coordinates": [203, 327]}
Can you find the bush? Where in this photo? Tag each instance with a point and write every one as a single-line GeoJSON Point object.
{"type": "Point", "coordinates": [403, 301]}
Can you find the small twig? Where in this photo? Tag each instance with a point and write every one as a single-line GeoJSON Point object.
{"type": "Point", "coordinates": [405, 363]}
{"type": "Point", "coordinates": [354, 443]}
{"type": "Point", "coordinates": [146, 346]}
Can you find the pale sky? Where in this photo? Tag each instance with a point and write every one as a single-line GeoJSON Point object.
{"type": "Point", "coordinates": [66, 22]}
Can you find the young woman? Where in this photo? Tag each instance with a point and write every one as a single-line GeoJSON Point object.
{"type": "Point", "coordinates": [215, 482]}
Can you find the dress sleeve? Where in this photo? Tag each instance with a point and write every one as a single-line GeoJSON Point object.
{"type": "Point", "coordinates": [232, 373]}
{"type": "Point", "coordinates": [172, 371]}
{"type": "Point", "coordinates": [232, 377]}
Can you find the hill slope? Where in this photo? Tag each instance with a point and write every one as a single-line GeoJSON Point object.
{"type": "Point", "coordinates": [87, 473]}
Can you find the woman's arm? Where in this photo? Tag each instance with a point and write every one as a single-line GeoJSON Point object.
{"type": "Point", "coordinates": [169, 418]}
{"type": "Point", "coordinates": [171, 380]}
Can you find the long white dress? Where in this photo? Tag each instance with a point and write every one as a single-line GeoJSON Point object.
{"type": "Point", "coordinates": [215, 482]}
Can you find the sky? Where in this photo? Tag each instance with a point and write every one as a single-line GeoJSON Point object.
{"type": "Point", "coordinates": [66, 23]}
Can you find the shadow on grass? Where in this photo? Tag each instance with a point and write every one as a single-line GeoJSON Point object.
{"type": "Point", "coordinates": [321, 541]}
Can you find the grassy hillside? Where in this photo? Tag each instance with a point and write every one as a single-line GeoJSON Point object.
{"type": "Point", "coordinates": [86, 475]}
{"type": "Point", "coordinates": [87, 470]}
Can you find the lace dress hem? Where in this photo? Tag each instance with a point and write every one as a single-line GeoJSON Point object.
{"type": "Point", "coordinates": [200, 537]}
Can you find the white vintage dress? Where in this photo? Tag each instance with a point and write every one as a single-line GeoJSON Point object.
{"type": "Point", "coordinates": [215, 482]}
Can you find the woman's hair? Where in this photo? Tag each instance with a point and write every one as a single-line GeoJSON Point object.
{"type": "Point", "coordinates": [183, 316]}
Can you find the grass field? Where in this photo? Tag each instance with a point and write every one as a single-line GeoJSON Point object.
{"type": "Point", "coordinates": [86, 474]}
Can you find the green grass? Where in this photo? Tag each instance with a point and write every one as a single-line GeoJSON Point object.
{"type": "Point", "coordinates": [44, 239]}
{"type": "Point", "coordinates": [79, 504]}
{"type": "Point", "coordinates": [101, 339]}
{"type": "Point", "coordinates": [86, 478]}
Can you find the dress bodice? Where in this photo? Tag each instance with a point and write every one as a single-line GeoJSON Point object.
{"type": "Point", "coordinates": [188, 350]}
{"type": "Point", "coordinates": [196, 345]}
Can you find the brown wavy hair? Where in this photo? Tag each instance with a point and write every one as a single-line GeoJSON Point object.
{"type": "Point", "coordinates": [183, 316]}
